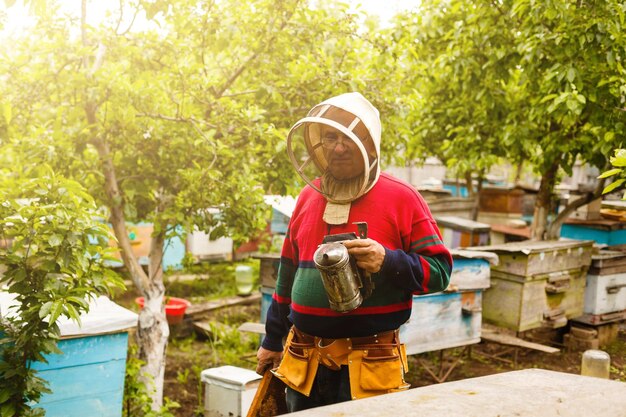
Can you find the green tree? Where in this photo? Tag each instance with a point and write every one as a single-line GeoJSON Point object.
{"type": "Point", "coordinates": [52, 250]}
{"type": "Point", "coordinates": [458, 67]}
{"type": "Point", "coordinates": [541, 82]}
{"type": "Point", "coordinates": [575, 84]}
{"type": "Point", "coordinates": [186, 114]}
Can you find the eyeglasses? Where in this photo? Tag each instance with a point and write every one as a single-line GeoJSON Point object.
{"type": "Point", "coordinates": [331, 141]}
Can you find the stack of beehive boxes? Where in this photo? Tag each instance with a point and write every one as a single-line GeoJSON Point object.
{"type": "Point", "coordinates": [605, 302]}
{"type": "Point", "coordinates": [537, 283]}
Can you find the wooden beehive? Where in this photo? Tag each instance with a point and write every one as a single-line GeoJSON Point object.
{"type": "Point", "coordinates": [87, 379]}
{"type": "Point", "coordinates": [501, 199]}
{"type": "Point", "coordinates": [451, 318]}
{"type": "Point", "coordinates": [537, 284]}
{"type": "Point", "coordinates": [458, 232]}
{"type": "Point", "coordinates": [602, 231]}
{"type": "Point", "coordinates": [527, 258]}
{"type": "Point", "coordinates": [228, 391]}
{"type": "Point", "coordinates": [451, 206]}
{"type": "Point", "coordinates": [268, 268]}
{"type": "Point", "coordinates": [605, 293]}
{"type": "Point", "coordinates": [528, 302]}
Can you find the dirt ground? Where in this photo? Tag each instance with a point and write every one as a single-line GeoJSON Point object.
{"type": "Point", "coordinates": [191, 351]}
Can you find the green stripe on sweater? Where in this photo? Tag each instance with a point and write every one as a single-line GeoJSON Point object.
{"type": "Point", "coordinates": [431, 240]}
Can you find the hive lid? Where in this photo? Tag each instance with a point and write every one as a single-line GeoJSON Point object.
{"type": "Point", "coordinates": [470, 270]}
{"type": "Point", "coordinates": [608, 254]}
{"type": "Point", "coordinates": [462, 223]}
{"type": "Point", "coordinates": [230, 376]}
{"type": "Point", "coordinates": [491, 257]}
{"type": "Point", "coordinates": [104, 316]}
{"type": "Point", "coordinates": [531, 246]}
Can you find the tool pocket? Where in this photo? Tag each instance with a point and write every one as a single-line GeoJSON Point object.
{"type": "Point", "coordinates": [294, 366]}
{"type": "Point", "coordinates": [381, 373]}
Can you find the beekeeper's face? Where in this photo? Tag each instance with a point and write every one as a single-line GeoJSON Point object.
{"type": "Point", "coordinates": [343, 155]}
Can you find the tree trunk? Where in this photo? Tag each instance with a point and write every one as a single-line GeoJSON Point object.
{"type": "Point", "coordinates": [543, 204]}
{"type": "Point", "coordinates": [518, 173]}
{"type": "Point", "coordinates": [554, 231]}
{"type": "Point", "coordinates": [153, 330]}
{"type": "Point", "coordinates": [474, 193]}
{"type": "Point", "coordinates": [469, 184]}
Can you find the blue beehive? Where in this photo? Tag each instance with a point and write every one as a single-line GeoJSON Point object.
{"type": "Point", "coordinates": [451, 318]}
{"type": "Point", "coordinates": [602, 231]}
{"type": "Point", "coordinates": [87, 379]}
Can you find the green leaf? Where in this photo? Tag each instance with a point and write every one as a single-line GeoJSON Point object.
{"type": "Point", "coordinates": [610, 173]}
{"type": "Point", "coordinates": [571, 74]}
{"type": "Point", "coordinates": [54, 240]}
{"type": "Point", "coordinates": [7, 113]}
{"type": "Point", "coordinates": [55, 311]}
{"type": "Point", "coordinates": [81, 302]}
{"type": "Point", "coordinates": [45, 309]}
{"type": "Point", "coordinates": [619, 160]}
{"type": "Point", "coordinates": [7, 410]}
{"type": "Point", "coordinates": [548, 98]}
{"type": "Point", "coordinates": [612, 186]}
{"type": "Point", "coordinates": [4, 395]}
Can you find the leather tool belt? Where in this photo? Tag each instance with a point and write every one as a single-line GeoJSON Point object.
{"type": "Point", "coordinates": [377, 363]}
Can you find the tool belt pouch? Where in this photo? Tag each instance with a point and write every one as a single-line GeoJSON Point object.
{"type": "Point", "coordinates": [378, 370]}
{"type": "Point", "coordinates": [298, 366]}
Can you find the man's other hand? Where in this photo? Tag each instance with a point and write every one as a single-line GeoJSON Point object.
{"type": "Point", "coordinates": [369, 254]}
{"type": "Point", "coordinates": [268, 359]}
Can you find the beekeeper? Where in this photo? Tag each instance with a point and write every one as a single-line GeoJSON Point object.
{"type": "Point", "coordinates": [331, 356]}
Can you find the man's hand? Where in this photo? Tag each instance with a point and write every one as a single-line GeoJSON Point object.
{"type": "Point", "coordinates": [369, 254]}
{"type": "Point", "coordinates": [268, 359]}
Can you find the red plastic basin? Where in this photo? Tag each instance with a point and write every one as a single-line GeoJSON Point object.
{"type": "Point", "coordinates": [174, 309]}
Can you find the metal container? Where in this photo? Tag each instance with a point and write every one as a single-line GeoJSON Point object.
{"type": "Point", "coordinates": [340, 276]}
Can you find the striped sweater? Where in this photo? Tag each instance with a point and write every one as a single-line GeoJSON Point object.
{"type": "Point", "coordinates": [416, 262]}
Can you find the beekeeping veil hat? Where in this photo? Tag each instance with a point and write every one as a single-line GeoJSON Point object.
{"type": "Point", "coordinates": [356, 118]}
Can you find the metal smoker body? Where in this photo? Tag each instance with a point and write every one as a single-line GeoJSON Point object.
{"type": "Point", "coordinates": [342, 278]}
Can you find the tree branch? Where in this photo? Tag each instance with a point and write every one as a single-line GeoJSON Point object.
{"type": "Point", "coordinates": [218, 93]}
{"type": "Point", "coordinates": [555, 228]}
{"type": "Point", "coordinates": [119, 21]}
{"type": "Point", "coordinates": [176, 119]}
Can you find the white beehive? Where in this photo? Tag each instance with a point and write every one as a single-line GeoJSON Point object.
{"type": "Point", "coordinates": [228, 391]}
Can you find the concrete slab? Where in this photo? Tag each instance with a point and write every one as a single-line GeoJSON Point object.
{"type": "Point", "coordinates": [529, 392]}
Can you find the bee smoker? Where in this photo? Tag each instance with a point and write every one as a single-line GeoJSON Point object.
{"type": "Point", "coordinates": [342, 278]}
